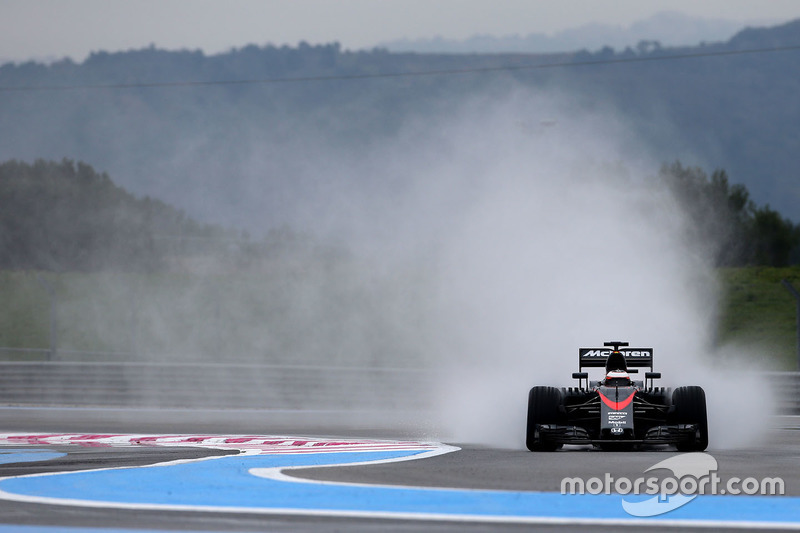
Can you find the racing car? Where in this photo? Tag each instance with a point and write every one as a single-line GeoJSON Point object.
{"type": "Point", "coordinates": [617, 412]}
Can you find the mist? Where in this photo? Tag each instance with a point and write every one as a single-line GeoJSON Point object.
{"type": "Point", "coordinates": [539, 227]}
{"type": "Point", "coordinates": [468, 255]}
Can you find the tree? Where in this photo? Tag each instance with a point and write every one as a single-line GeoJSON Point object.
{"type": "Point", "coordinates": [774, 237]}
{"type": "Point", "coordinates": [718, 212]}
{"type": "Point", "coordinates": [723, 218]}
{"type": "Point", "coordinates": [66, 216]}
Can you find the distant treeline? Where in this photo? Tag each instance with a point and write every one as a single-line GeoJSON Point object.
{"type": "Point", "coordinates": [65, 216]}
{"type": "Point", "coordinates": [200, 115]}
{"type": "Point", "coordinates": [723, 216]}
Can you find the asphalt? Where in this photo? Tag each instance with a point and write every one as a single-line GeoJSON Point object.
{"type": "Point", "coordinates": [473, 467]}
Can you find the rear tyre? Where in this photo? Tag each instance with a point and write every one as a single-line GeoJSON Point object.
{"type": "Point", "coordinates": [690, 408]}
{"type": "Point", "coordinates": [543, 408]}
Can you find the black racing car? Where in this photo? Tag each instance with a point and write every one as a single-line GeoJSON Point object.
{"type": "Point", "coordinates": [616, 412]}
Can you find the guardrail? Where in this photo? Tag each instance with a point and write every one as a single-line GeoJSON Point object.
{"type": "Point", "coordinates": [244, 386]}
{"type": "Point", "coordinates": [231, 386]}
{"type": "Point", "coordinates": [787, 391]}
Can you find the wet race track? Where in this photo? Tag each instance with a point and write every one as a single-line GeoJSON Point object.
{"type": "Point", "coordinates": [352, 480]}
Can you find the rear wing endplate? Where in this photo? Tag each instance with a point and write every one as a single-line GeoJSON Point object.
{"type": "Point", "coordinates": [597, 357]}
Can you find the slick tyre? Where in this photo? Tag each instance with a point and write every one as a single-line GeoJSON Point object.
{"type": "Point", "coordinates": [543, 408]}
{"type": "Point", "coordinates": [690, 408]}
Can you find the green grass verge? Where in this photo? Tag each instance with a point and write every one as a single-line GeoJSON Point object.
{"type": "Point", "coordinates": [302, 314]}
{"type": "Point", "coordinates": [759, 313]}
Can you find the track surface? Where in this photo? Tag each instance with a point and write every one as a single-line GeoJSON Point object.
{"type": "Point", "coordinates": [472, 467]}
{"type": "Point", "coordinates": [486, 468]}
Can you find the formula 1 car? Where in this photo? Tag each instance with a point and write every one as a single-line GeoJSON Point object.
{"type": "Point", "coordinates": [616, 412]}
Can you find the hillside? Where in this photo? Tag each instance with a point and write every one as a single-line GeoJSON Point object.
{"type": "Point", "coordinates": [251, 155]}
{"type": "Point", "coordinates": [671, 28]}
{"type": "Point", "coordinates": [67, 217]}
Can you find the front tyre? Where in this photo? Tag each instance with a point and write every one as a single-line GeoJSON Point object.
{"type": "Point", "coordinates": [543, 408]}
{"type": "Point", "coordinates": [690, 408]}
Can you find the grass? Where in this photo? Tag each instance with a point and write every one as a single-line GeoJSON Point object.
{"type": "Point", "coordinates": [309, 314]}
{"type": "Point", "coordinates": [759, 313]}
{"type": "Point", "coordinates": [24, 308]}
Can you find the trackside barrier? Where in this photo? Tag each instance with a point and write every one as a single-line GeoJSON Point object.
{"type": "Point", "coordinates": [217, 386]}
{"type": "Point", "coordinates": [241, 386]}
{"type": "Point", "coordinates": [787, 391]}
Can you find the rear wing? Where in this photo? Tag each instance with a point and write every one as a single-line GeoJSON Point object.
{"type": "Point", "coordinates": [597, 357]}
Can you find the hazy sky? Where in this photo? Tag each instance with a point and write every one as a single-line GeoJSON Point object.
{"type": "Point", "coordinates": [57, 28]}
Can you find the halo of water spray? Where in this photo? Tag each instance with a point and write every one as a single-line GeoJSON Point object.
{"type": "Point", "coordinates": [542, 240]}
{"type": "Point", "coordinates": [489, 242]}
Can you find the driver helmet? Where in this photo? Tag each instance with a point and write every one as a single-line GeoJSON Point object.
{"type": "Point", "coordinates": [618, 374]}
